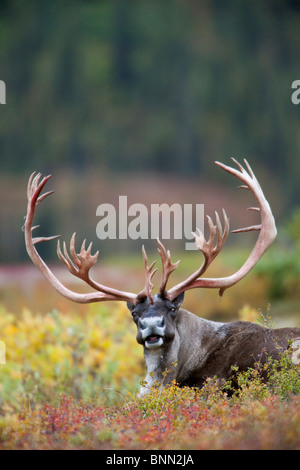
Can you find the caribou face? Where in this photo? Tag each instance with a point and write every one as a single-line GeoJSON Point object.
{"type": "Point", "coordinates": [156, 321]}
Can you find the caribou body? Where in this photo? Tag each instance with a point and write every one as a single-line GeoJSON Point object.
{"type": "Point", "coordinates": [182, 347]}
{"type": "Point", "coordinates": [178, 345]}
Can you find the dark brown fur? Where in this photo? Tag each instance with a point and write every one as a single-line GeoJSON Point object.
{"type": "Point", "coordinates": [195, 349]}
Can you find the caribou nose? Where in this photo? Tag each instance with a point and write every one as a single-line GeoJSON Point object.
{"type": "Point", "coordinates": [151, 322]}
{"type": "Point", "coordinates": [152, 330]}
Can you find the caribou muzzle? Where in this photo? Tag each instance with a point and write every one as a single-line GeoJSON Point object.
{"type": "Point", "coordinates": [151, 331]}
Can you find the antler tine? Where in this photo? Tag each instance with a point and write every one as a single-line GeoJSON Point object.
{"type": "Point", "coordinates": [222, 236]}
{"type": "Point", "coordinates": [167, 267]}
{"type": "Point", "coordinates": [79, 265]}
{"type": "Point", "coordinates": [149, 273]}
{"type": "Point", "coordinates": [65, 258]}
{"type": "Point", "coordinates": [29, 185]}
{"type": "Point", "coordinates": [267, 229]}
{"type": "Point", "coordinates": [32, 184]}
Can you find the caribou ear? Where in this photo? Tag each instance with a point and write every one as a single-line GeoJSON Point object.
{"type": "Point", "coordinates": [178, 300]}
{"type": "Point", "coordinates": [130, 306]}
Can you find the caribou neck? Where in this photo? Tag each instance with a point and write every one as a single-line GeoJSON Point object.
{"type": "Point", "coordinates": [176, 360]}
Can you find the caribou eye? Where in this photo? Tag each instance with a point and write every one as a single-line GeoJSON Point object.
{"type": "Point", "coordinates": [173, 309]}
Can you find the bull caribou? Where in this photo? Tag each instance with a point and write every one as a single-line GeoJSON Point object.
{"type": "Point", "coordinates": [178, 345]}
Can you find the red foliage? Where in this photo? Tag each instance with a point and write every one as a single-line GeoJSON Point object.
{"type": "Point", "coordinates": [181, 422]}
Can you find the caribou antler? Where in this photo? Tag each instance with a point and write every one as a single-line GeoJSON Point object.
{"type": "Point", "coordinates": [207, 247]}
{"type": "Point", "coordinates": [78, 264]}
{"type": "Point", "coordinates": [267, 235]}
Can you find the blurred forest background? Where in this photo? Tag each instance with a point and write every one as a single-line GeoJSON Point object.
{"type": "Point", "coordinates": [139, 98]}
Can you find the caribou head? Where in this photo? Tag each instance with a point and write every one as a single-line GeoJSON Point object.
{"type": "Point", "coordinates": [156, 321]}
{"type": "Point", "coordinates": [189, 347]}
